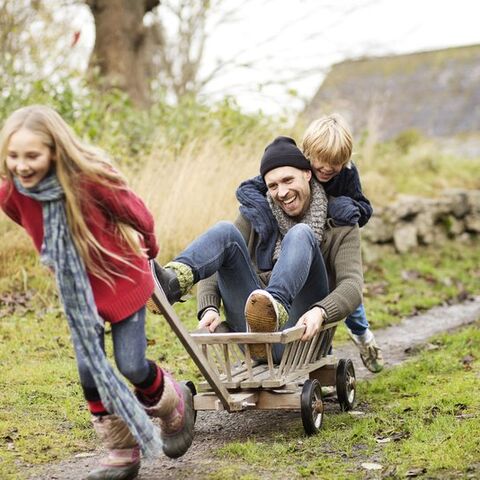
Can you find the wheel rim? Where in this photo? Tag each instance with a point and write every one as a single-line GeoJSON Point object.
{"type": "Point", "coordinates": [311, 406]}
{"type": "Point", "coordinates": [317, 408]}
{"type": "Point", "coordinates": [346, 384]}
{"type": "Point", "coordinates": [351, 382]}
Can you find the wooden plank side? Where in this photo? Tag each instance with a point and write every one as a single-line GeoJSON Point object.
{"type": "Point", "coordinates": [326, 375]}
{"type": "Point", "coordinates": [278, 401]}
{"type": "Point", "coordinates": [285, 336]}
{"type": "Point", "coordinates": [189, 344]}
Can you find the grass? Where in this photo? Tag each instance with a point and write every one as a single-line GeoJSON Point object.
{"type": "Point", "coordinates": [422, 418]}
{"type": "Point", "coordinates": [43, 416]}
{"type": "Point", "coordinates": [42, 413]}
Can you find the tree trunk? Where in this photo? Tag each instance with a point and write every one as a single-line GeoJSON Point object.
{"type": "Point", "coordinates": [119, 52]}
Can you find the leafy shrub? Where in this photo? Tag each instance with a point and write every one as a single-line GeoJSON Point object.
{"type": "Point", "coordinates": [407, 139]}
{"type": "Point", "coordinates": [108, 118]}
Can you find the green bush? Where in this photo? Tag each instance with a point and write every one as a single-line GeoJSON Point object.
{"type": "Point", "coordinates": [109, 119]}
{"type": "Point", "coordinates": [407, 139]}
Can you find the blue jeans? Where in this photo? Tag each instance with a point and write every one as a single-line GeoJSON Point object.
{"type": "Point", "coordinates": [298, 279]}
{"type": "Point", "coordinates": [129, 346]}
{"type": "Point", "coordinates": [357, 321]}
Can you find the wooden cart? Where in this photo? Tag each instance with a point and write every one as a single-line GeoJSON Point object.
{"type": "Point", "coordinates": [235, 382]}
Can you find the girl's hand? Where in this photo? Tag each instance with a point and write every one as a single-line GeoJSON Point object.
{"type": "Point", "coordinates": [210, 320]}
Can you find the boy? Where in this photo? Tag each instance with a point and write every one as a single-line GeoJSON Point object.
{"type": "Point", "coordinates": [327, 144]}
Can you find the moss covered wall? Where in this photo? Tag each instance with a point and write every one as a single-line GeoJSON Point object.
{"type": "Point", "coordinates": [436, 92]}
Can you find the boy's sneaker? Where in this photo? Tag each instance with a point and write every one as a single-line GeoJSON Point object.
{"type": "Point", "coordinates": [263, 314]}
{"type": "Point", "coordinates": [370, 352]}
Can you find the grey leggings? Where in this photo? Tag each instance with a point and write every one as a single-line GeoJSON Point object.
{"type": "Point", "coordinates": [129, 346]}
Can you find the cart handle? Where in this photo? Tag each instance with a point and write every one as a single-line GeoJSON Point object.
{"type": "Point", "coordinates": [160, 300]}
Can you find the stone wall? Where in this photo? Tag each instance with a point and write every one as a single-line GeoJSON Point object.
{"type": "Point", "coordinates": [413, 221]}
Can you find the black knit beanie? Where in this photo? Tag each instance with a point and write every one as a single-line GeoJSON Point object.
{"type": "Point", "coordinates": [283, 152]}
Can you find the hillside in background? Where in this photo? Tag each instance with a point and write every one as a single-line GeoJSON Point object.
{"type": "Point", "coordinates": [435, 92]}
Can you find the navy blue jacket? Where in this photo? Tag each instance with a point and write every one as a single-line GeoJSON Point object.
{"type": "Point", "coordinates": [347, 184]}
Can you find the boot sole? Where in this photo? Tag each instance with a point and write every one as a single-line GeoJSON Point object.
{"type": "Point", "coordinates": [262, 317]}
{"type": "Point", "coordinates": [115, 473]}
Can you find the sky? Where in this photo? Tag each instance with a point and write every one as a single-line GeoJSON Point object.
{"type": "Point", "coordinates": [296, 41]}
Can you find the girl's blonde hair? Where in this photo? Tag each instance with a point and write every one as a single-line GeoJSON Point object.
{"type": "Point", "coordinates": [75, 162]}
{"type": "Point", "coordinates": [328, 139]}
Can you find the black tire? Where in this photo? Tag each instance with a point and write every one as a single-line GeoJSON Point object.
{"type": "Point", "coordinates": [311, 404]}
{"type": "Point", "coordinates": [193, 389]}
{"type": "Point", "coordinates": [346, 384]}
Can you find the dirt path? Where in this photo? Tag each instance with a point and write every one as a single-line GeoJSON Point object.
{"type": "Point", "coordinates": [213, 429]}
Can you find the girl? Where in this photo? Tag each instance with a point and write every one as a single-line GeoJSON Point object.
{"type": "Point", "coordinates": [97, 236]}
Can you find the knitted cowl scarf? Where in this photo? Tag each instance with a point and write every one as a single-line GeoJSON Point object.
{"type": "Point", "coordinates": [58, 251]}
{"type": "Point", "coordinates": [315, 216]}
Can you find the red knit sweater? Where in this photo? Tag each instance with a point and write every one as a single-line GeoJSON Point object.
{"type": "Point", "coordinates": [100, 204]}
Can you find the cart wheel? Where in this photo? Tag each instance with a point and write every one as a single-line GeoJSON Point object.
{"type": "Point", "coordinates": [346, 384]}
{"type": "Point", "coordinates": [193, 389]}
{"type": "Point", "coordinates": [311, 405]}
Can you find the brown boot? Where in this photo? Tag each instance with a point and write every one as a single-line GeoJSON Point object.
{"type": "Point", "coordinates": [123, 459]}
{"type": "Point", "coordinates": [176, 416]}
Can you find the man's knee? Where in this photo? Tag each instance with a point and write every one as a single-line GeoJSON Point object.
{"type": "Point", "coordinates": [301, 232]}
{"type": "Point", "coordinates": [227, 230]}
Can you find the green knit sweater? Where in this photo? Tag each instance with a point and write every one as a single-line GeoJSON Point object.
{"type": "Point", "coordinates": [341, 253]}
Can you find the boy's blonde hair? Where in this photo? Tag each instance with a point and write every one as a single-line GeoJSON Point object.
{"type": "Point", "coordinates": [329, 140]}
{"type": "Point", "coordinates": [75, 162]}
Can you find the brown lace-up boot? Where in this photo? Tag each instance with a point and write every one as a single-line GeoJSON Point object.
{"type": "Point", "coordinates": [123, 459]}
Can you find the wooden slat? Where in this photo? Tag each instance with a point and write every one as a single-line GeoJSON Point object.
{"type": "Point", "coordinates": [237, 352]}
{"type": "Point", "coordinates": [278, 401]}
{"type": "Point", "coordinates": [228, 367]}
{"type": "Point", "coordinates": [298, 355]}
{"type": "Point", "coordinates": [311, 348]}
{"type": "Point", "coordinates": [270, 361]}
{"type": "Point", "coordinates": [285, 336]}
{"type": "Point", "coordinates": [291, 359]}
{"type": "Point", "coordinates": [286, 352]}
{"type": "Point", "coordinates": [237, 401]}
{"type": "Point", "coordinates": [190, 346]}
{"type": "Point", "coordinates": [300, 372]}
{"type": "Point", "coordinates": [259, 379]}
{"type": "Point", "coordinates": [248, 361]}
{"type": "Point", "coordinates": [260, 400]}
{"type": "Point", "coordinates": [217, 355]}
{"type": "Point", "coordinates": [317, 352]}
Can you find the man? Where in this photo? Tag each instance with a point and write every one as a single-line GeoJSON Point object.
{"type": "Point", "coordinates": [281, 263]}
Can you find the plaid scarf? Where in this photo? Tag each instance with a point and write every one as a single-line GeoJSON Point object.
{"type": "Point", "coordinates": [59, 252]}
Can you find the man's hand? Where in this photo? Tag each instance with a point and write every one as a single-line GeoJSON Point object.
{"type": "Point", "coordinates": [312, 319]}
{"type": "Point", "coordinates": [210, 320]}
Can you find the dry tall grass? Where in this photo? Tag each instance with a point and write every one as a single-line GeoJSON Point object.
{"type": "Point", "coordinates": [190, 193]}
